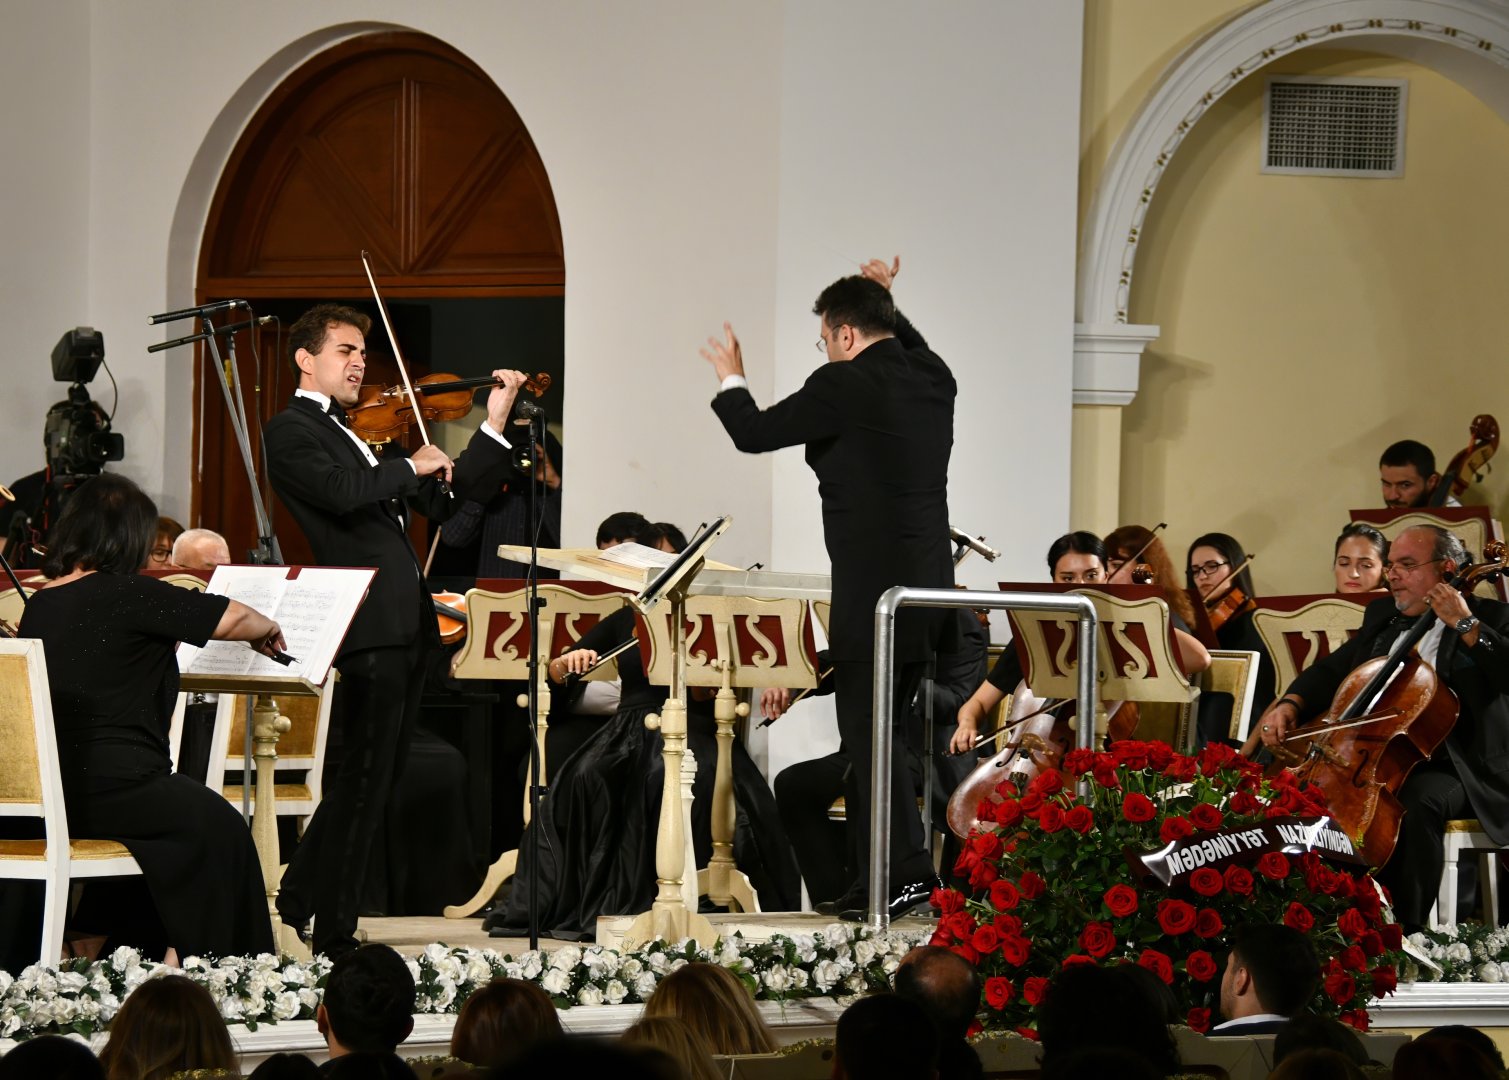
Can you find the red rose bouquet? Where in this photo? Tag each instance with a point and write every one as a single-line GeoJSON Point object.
{"type": "Point", "coordinates": [1153, 866]}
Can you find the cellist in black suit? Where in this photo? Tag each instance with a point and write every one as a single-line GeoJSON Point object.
{"type": "Point", "coordinates": [353, 509]}
{"type": "Point", "coordinates": [877, 421]}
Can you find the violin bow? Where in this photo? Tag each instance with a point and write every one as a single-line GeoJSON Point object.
{"type": "Point", "coordinates": [991, 733]}
{"type": "Point", "coordinates": [1143, 549]}
{"type": "Point", "coordinates": [403, 370]}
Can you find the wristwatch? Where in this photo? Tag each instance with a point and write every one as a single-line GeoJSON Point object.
{"type": "Point", "coordinates": [1464, 625]}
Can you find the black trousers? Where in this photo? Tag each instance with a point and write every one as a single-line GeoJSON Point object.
{"type": "Point", "coordinates": [854, 687]}
{"type": "Point", "coordinates": [1432, 796]}
{"type": "Point", "coordinates": [378, 705]}
{"type": "Point", "coordinates": [803, 794]}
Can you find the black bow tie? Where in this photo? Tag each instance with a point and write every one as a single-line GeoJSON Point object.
{"type": "Point", "coordinates": [338, 414]}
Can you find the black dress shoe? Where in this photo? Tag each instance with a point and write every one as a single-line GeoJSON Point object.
{"type": "Point", "coordinates": [903, 900]}
{"type": "Point", "coordinates": [851, 898]}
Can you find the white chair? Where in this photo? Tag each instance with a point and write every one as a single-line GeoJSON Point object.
{"type": "Point", "coordinates": [31, 786]}
{"type": "Point", "coordinates": [1461, 837]}
{"type": "Point", "coordinates": [302, 746]}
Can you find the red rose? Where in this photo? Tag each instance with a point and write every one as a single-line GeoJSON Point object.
{"type": "Point", "coordinates": [1176, 917]}
{"type": "Point", "coordinates": [982, 875]}
{"type": "Point", "coordinates": [1034, 990]}
{"type": "Point", "coordinates": [966, 951]}
{"type": "Point", "coordinates": [998, 991]}
{"type": "Point", "coordinates": [1340, 987]}
{"type": "Point", "coordinates": [1014, 949]}
{"type": "Point", "coordinates": [1032, 885]}
{"type": "Point", "coordinates": [987, 845]}
{"type": "Point", "coordinates": [1159, 754]}
{"type": "Point", "coordinates": [1009, 813]}
{"type": "Point", "coordinates": [1352, 924]}
{"type": "Point", "coordinates": [1004, 895]}
{"type": "Point", "coordinates": [1097, 939]}
{"type": "Point", "coordinates": [961, 924]}
{"type": "Point", "coordinates": [1208, 923]}
{"type": "Point", "coordinates": [1353, 959]}
{"type": "Point", "coordinates": [1385, 981]}
{"type": "Point", "coordinates": [1181, 770]}
{"type": "Point", "coordinates": [1121, 900]}
{"type": "Point", "coordinates": [1274, 866]}
{"type": "Point", "coordinates": [1080, 818]}
{"type": "Point", "coordinates": [1130, 753]}
{"type": "Point", "coordinates": [1050, 818]}
{"type": "Point", "coordinates": [1199, 1020]}
{"type": "Point", "coordinates": [1298, 917]}
{"type": "Point", "coordinates": [948, 901]}
{"type": "Point", "coordinates": [1356, 1019]}
{"type": "Point", "coordinates": [1243, 802]}
{"type": "Point", "coordinates": [1364, 897]}
{"type": "Point", "coordinates": [1047, 782]}
{"type": "Point", "coordinates": [1174, 828]}
{"type": "Point", "coordinates": [1078, 960]}
{"type": "Point", "coordinates": [1372, 943]}
{"type": "Point", "coordinates": [1007, 790]}
{"type": "Point", "coordinates": [1392, 935]}
{"type": "Point", "coordinates": [985, 940]}
{"type": "Point", "coordinates": [1238, 881]}
{"type": "Point", "coordinates": [1138, 807]}
{"type": "Point", "coordinates": [1205, 817]}
{"type": "Point", "coordinates": [1158, 963]}
{"type": "Point", "coordinates": [1078, 761]}
{"type": "Point", "coordinates": [1201, 966]}
{"type": "Point", "coordinates": [1006, 925]}
{"type": "Point", "coordinates": [941, 936]}
{"type": "Point", "coordinates": [1206, 881]}
{"type": "Point", "coordinates": [1105, 775]}
{"type": "Point", "coordinates": [1029, 1033]}
{"type": "Point", "coordinates": [1031, 803]}
{"type": "Point", "coordinates": [1277, 811]}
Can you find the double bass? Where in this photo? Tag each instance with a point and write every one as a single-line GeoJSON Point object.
{"type": "Point", "coordinates": [1390, 714]}
{"type": "Point", "coordinates": [1470, 464]}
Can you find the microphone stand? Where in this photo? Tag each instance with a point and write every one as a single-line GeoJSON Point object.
{"type": "Point", "coordinates": [536, 789]}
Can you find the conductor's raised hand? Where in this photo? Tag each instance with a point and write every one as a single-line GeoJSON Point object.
{"type": "Point", "coordinates": [877, 270]}
{"type": "Point", "coordinates": [500, 400]}
{"type": "Point", "coordinates": [725, 356]}
{"type": "Point", "coordinates": [430, 460]}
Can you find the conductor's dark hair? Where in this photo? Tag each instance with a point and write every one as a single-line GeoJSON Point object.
{"type": "Point", "coordinates": [108, 525]}
{"type": "Point", "coordinates": [946, 985]}
{"type": "Point", "coordinates": [1231, 550]}
{"type": "Point", "coordinates": [310, 329]}
{"type": "Point", "coordinates": [369, 1000]}
{"type": "Point", "coordinates": [858, 302]}
{"type": "Point", "coordinates": [885, 1035]}
{"type": "Point", "coordinates": [1076, 543]}
{"type": "Point", "coordinates": [1362, 531]}
{"type": "Point", "coordinates": [1282, 963]}
{"type": "Point", "coordinates": [623, 526]}
{"type": "Point", "coordinates": [1409, 452]}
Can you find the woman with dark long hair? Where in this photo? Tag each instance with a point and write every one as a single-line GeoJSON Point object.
{"type": "Point", "coordinates": [1131, 542]}
{"type": "Point", "coordinates": [1217, 573]}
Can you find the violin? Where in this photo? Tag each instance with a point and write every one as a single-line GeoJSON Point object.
{"type": "Point", "coordinates": [450, 613]}
{"type": "Point", "coordinates": [1233, 602]}
{"type": "Point", "coordinates": [1388, 715]}
{"type": "Point", "coordinates": [1470, 463]}
{"type": "Point", "coordinates": [386, 412]}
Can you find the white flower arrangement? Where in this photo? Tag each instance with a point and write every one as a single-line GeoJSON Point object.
{"type": "Point", "coordinates": [1467, 952]}
{"type": "Point", "coordinates": [83, 996]}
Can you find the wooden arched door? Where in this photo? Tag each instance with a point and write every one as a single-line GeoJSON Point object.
{"type": "Point", "coordinates": [396, 144]}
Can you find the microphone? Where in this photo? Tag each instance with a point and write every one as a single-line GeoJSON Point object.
{"type": "Point", "coordinates": [191, 312]}
{"type": "Point", "coordinates": [973, 544]}
{"type": "Point", "coordinates": [228, 328]}
{"type": "Point", "coordinates": [529, 410]}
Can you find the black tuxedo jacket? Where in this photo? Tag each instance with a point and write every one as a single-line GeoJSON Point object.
{"type": "Point", "coordinates": [1479, 743]}
{"type": "Point", "coordinates": [353, 513]}
{"type": "Point", "coordinates": [879, 430]}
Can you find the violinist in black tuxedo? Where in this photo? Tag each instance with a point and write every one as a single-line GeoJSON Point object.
{"type": "Point", "coordinates": [877, 422]}
{"type": "Point", "coordinates": [1468, 646]}
{"type": "Point", "coordinates": [353, 508]}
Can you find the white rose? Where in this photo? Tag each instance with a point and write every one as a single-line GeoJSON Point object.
{"type": "Point", "coordinates": [231, 1008]}
{"type": "Point", "coordinates": [478, 970]}
{"type": "Point", "coordinates": [109, 1004]}
{"type": "Point", "coordinates": [826, 975]}
{"type": "Point", "coordinates": [531, 964]}
{"type": "Point", "coordinates": [1490, 973]}
{"type": "Point", "coordinates": [126, 957]}
{"type": "Point", "coordinates": [677, 964]}
{"type": "Point", "coordinates": [448, 967]}
{"type": "Point", "coordinates": [136, 976]}
{"type": "Point", "coordinates": [630, 969]}
{"type": "Point", "coordinates": [64, 1010]}
{"type": "Point", "coordinates": [566, 958]}
{"type": "Point", "coordinates": [6, 979]}
{"type": "Point", "coordinates": [253, 1007]}
{"type": "Point", "coordinates": [644, 986]}
{"type": "Point", "coordinates": [728, 954]}
{"type": "Point", "coordinates": [799, 978]}
{"type": "Point", "coordinates": [615, 992]}
{"type": "Point", "coordinates": [71, 981]}
{"type": "Point", "coordinates": [806, 948]}
{"type": "Point", "coordinates": [658, 963]}
{"type": "Point", "coordinates": [286, 1005]}
{"type": "Point", "coordinates": [600, 962]}
{"type": "Point", "coordinates": [589, 995]}
{"type": "Point", "coordinates": [555, 982]}
{"type": "Point", "coordinates": [1458, 952]}
{"type": "Point", "coordinates": [864, 952]}
{"type": "Point", "coordinates": [444, 994]}
{"type": "Point", "coordinates": [309, 998]}
{"type": "Point", "coordinates": [777, 979]}
{"type": "Point", "coordinates": [10, 1023]}
{"type": "Point", "coordinates": [1504, 971]}
{"type": "Point", "coordinates": [413, 966]}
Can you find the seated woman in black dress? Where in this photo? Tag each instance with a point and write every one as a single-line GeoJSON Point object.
{"type": "Point", "coordinates": [1218, 575]}
{"type": "Point", "coordinates": [109, 635]}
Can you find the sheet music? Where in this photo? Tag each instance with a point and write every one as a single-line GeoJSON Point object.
{"type": "Point", "coordinates": [638, 555]}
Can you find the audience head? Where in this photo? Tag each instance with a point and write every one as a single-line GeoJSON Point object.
{"type": "Point", "coordinates": [368, 1066]}
{"type": "Point", "coordinates": [715, 1004]}
{"type": "Point", "coordinates": [1126, 1018]}
{"type": "Point", "coordinates": [679, 1042]}
{"type": "Point", "coordinates": [1077, 558]}
{"type": "Point", "coordinates": [1099, 1063]}
{"type": "Point", "coordinates": [369, 1002]}
{"type": "Point", "coordinates": [108, 524]}
{"type": "Point", "coordinates": [885, 1036]}
{"type": "Point", "coordinates": [51, 1057]}
{"type": "Point", "coordinates": [1473, 1037]}
{"type": "Point", "coordinates": [501, 1018]}
{"type": "Point", "coordinates": [1211, 562]}
{"type": "Point", "coordinates": [167, 1025]}
{"type": "Point", "coordinates": [1407, 473]}
{"type": "Point", "coordinates": [1124, 543]}
{"type": "Point", "coordinates": [1156, 991]}
{"type": "Point", "coordinates": [1307, 1032]}
{"type": "Point", "coordinates": [588, 1057]}
{"type": "Point", "coordinates": [1316, 1065]}
{"type": "Point", "coordinates": [168, 532]}
{"type": "Point", "coordinates": [200, 549]}
{"type": "Point", "coordinates": [622, 528]}
{"type": "Point", "coordinates": [1271, 969]}
{"type": "Point", "coordinates": [286, 1067]}
{"type": "Point", "coordinates": [944, 984]}
{"type": "Point", "coordinates": [852, 312]}
{"type": "Point", "coordinates": [1361, 551]}
{"type": "Point", "coordinates": [1430, 1057]}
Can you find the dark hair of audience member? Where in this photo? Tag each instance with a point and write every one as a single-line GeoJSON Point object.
{"type": "Point", "coordinates": [501, 1018]}
{"type": "Point", "coordinates": [1100, 1063]}
{"type": "Point", "coordinates": [369, 1066]}
{"type": "Point", "coordinates": [1316, 1065]}
{"type": "Point", "coordinates": [1125, 1017]}
{"type": "Point", "coordinates": [946, 986]}
{"type": "Point", "coordinates": [1473, 1037]}
{"type": "Point", "coordinates": [166, 1025]}
{"type": "Point", "coordinates": [675, 1039]}
{"type": "Point", "coordinates": [621, 527]}
{"type": "Point", "coordinates": [1307, 1032]}
{"type": "Point", "coordinates": [108, 524]}
{"type": "Point", "coordinates": [369, 1000]}
{"type": "Point", "coordinates": [1123, 543]}
{"type": "Point", "coordinates": [51, 1057]}
{"type": "Point", "coordinates": [1079, 543]}
{"type": "Point", "coordinates": [885, 1037]}
{"type": "Point", "coordinates": [569, 1058]}
{"type": "Point", "coordinates": [286, 1067]}
{"type": "Point", "coordinates": [1160, 993]}
{"type": "Point", "coordinates": [1432, 1056]}
{"type": "Point", "coordinates": [716, 1005]}
{"type": "Point", "coordinates": [1285, 972]}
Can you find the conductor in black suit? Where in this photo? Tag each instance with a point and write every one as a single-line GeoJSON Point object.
{"type": "Point", "coordinates": [354, 510]}
{"type": "Point", "coordinates": [877, 421]}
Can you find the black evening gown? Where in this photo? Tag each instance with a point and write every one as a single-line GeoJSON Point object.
{"type": "Point", "coordinates": [109, 641]}
{"type": "Point", "coordinates": [599, 817]}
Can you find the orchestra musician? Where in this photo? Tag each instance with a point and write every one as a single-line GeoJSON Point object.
{"type": "Point", "coordinates": [1218, 573]}
{"type": "Point", "coordinates": [1131, 546]}
{"type": "Point", "coordinates": [1407, 474]}
{"type": "Point", "coordinates": [354, 511]}
{"type": "Point", "coordinates": [1468, 646]}
{"type": "Point", "coordinates": [1360, 553]}
{"type": "Point", "coordinates": [877, 422]}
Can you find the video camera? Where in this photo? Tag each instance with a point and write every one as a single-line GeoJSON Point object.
{"type": "Point", "coordinates": [77, 436]}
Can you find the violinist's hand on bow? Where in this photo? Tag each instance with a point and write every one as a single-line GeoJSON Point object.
{"type": "Point", "coordinates": [877, 270]}
{"type": "Point", "coordinates": [725, 356]}
{"type": "Point", "coordinates": [576, 662]}
{"type": "Point", "coordinates": [774, 701]}
{"type": "Point", "coordinates": [968, 732]}
{"type": "Point", "coordinates": [1276, 723]}
{"type": "Point", "coordinates": [500, 400]}
{"type": "Point", "coordinates": [430, 460]}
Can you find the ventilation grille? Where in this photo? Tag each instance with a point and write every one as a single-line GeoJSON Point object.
{"type": "Point", "coordinates": [1334, 127]}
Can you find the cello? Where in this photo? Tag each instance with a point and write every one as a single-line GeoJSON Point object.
{"type": "Point", "coordinates": [1470, 464]}
{"type": "Point", "coordinates": [1390, 714]}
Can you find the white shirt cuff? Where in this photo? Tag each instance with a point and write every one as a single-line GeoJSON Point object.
{"type": "Point", "coordinates": [491, 434]}
{"type": "Point", "coordinates": [733, 382]}
{"type": "Point", "coordinates": [411, 465]}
